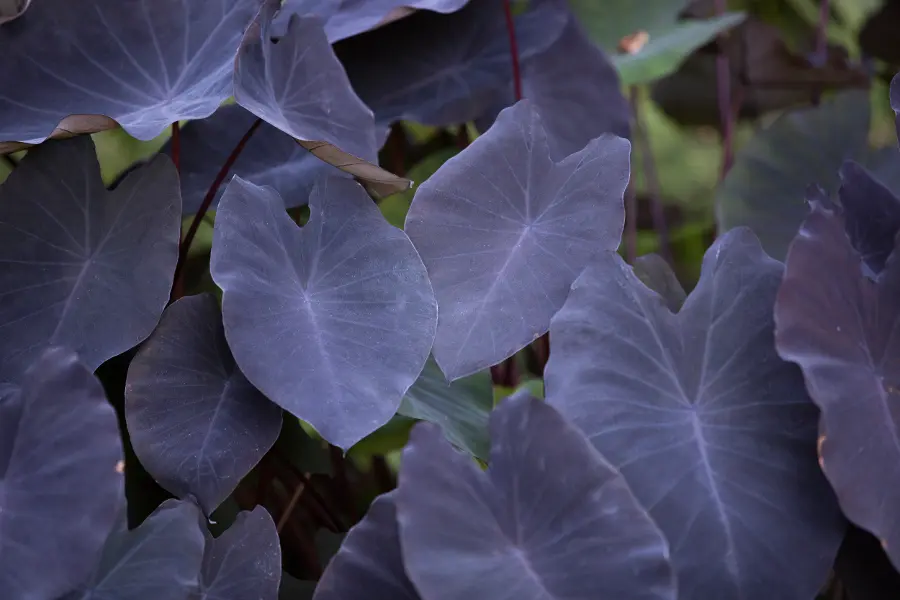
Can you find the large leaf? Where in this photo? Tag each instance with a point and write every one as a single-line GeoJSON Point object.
{"type": "Point", "coordinates": [765, 188]}
{"type": "Point", "coordinates": [549, 519]}
{"type": "Point", "coordinates": [576, 90]}
{"type": "Point", "coordinates": [669, 39]}
{"type": "Point", "coordinates": [333, 321]}
{"type": "Point", "coordinates": [59, 489]}
{"type": "Point", "coordinates": [143, 64]}
{"type": "Point", "coordinates": [12, 9]}
{"type": "Point", "coordinates": [297, 85]}
{"type": "Point", "coordinates": [196, 423]}
{"type": "Point", "coordinates": [83, 267]}
{"type": "Point", "coordinates": [346, 18]}
{"type": "Point", "coordinates": [839, 326]}
{"type": "Point", "coordinates": [504, 230]}
{"type": "Point", "coordinates": [271, 157]}
{"type": "Point", "coordinates": [713, 432]}
{"type": "Point", "coordinates": [369, 565]}
{"type": "Point", "coordinates": [160, 559]}
{"type": "Point", "coordinates": [461, 408]}
{"type": "Point", "coordinates": [445, 69]}
{"type": "Point", "coordinates": [244, 563]}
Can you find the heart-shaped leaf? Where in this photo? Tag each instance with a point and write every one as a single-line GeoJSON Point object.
{"type": "Point", "coordinates": [504, 231]}
{"type": "Point", "coordinates": [839, 325]}
{"type": "Point", "coordinates": [270, 157]}
{"type": "Point", "coordinates": [85, 66]}
{"type": "Point", "coordinates": [369, 565]}
{"type": "Point", "coordinates": [443, 70]}
{"type": "Point", "coordinates": [196, 423]}
{"type": "Point", "coordinates": [550, 519]}
{"type": "Point", "coordinates": [713, 432]}
{"type": "Point", "coordinates": [872, 214]}
{"type": "Point", "coordinates": [83, 267]}
{"type": "Point", "coordinates": [159, 559]}
{"type": "Point", "coordinates": [333, 321]}
{"type": "Point", "coordinates": [297, 85]}
{"type": "Point", "coordinates": [461, 408]}
{"type": "Point", "coordinates": [59, 489]}
{"type": "Point", "coordinates": [244, 563]}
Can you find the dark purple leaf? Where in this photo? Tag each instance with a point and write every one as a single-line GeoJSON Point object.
{"type": "Point", "coordinates": [346, 18]}
{"type": "Point", "coordinates": [59, 489]}
{"type": "Point", "coordinates": [369, 565]}
{"type": "Point", "coordinates": [143, 64]}
{"type": "Point", "coordinates": [872, 214]}
{"type": "Point", "coordinates": [333, 321]}
{"type": "Point", "coordinates": [440, 69]}
{"type": "Point", "coordinates": [504, 231]}
{"type": "Point", "coordinates": [839, 326]}
{"type": "Point", "coordinates": [764, 190]}
{"type": "Point", "coordinates": [576, 90]}
{"type": "Point", "coordinates": [298, 86]}
{"type": "Point", "coordinates": [161, 559]}
{"type": "Point", "coordinates": [895, 100]}
{"type": "Point", "coordinates": [270, 158]}
{"type": "Point", "coordinates": [713, 432]}
{"type": "Point", "coordinates": [196, 423]}
{"type": "Point", "coordinates": [244, 563]}
{"type": "Point", "coordinates": [83, 267]}
{"type": "Point", "coordinates": [461, 408]}
{"type": "Point", "coordinates": [549, 519]}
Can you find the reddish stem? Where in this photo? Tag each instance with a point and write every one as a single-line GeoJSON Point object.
{"type": "Point", "coordinates": [176, 145]}
{"type": "Point", "coordinates": [723, 93]}
{"type": "Point", "coordinates": [207, 200]}
{"type": "Point", "coordinates": [513, 49]}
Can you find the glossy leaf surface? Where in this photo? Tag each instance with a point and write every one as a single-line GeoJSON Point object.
{"type": "Point", "coordinates": [161, 558]}
{"type": "Point", "coordinates": [549, 519]}
{"type": "Point", "coordinates": [445, 69]}
{"type": "Point", "coordinates": [330, 320]}
{"type": "Point", "coordinates": [504, 230]}
{"type": "Point", "coordinates": [839, 325]}
{"type": "Point", "coordinates": [59, 489]}
{"type": "Point", "coordinates": [460, 408]}
{"type": "Point", "coordinates": [244, 563]}
{"type": "Point", "coordinates": [197, 425]}
{"type": "Point", "coordinates": [298, 86]}
{"type": "Point", "coordinates": [369, 564]}
{"type": "Point", "coordinates": [271, 158]}
{"type": "Point", "coordinates": [142, 64]}
{"type": "Point", "coordinates": [713, 432]}
{"type": "Point", "coordinates": [347, 18]}
{"type": "Point", "coordinates": [80, 266]}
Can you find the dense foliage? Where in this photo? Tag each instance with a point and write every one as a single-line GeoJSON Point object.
{"type": "Point", "coordinates": [360, 300]}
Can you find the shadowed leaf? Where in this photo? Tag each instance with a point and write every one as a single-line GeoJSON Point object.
{"type": "Point", "coordinates": [549, 519]}
{"type": "Point", "coordinates": [59, 489]}
{"type": "Point", "coordinates": [196, 423]}
{"type": "Point", "coordinates": [504, 230]}
{"type": "Point", "coordinates": [713, 432]}
{"type": "Point", "coordinates": [839, 325]}
{"type": "Point", "coordinates": [83, 267]}
{"type": "Point", "coordinates": [333, 321]}
{"type": "Point", "coordinates": [872, 214]}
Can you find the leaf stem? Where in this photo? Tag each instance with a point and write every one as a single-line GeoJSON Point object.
{"type": "Point", "coordinates": [176, 145]}
{"type": "Point", "coordinates": [207, 200]}
{"type": "Point", "coordinates": [513, 49]}
{"type": "Point", "coordinates": [651, 178]}
{"type": "Point", "coordinates": [723, 94]}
